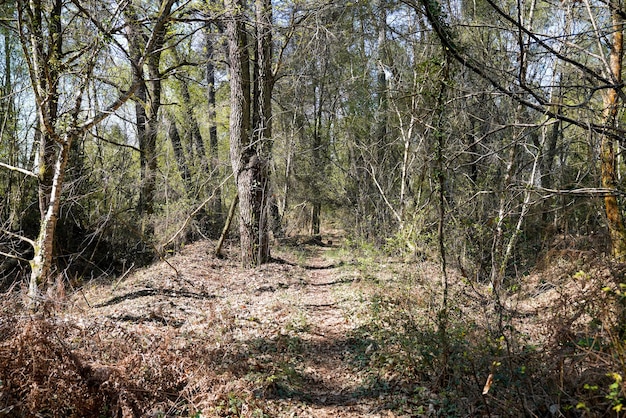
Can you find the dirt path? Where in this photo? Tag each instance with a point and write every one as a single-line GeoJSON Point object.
{"type": "Point", "coordinates": [284, 330]}
{"type": "Point", "coordinates": [319, 332]}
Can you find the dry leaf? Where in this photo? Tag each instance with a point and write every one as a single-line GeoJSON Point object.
{"type": "Point", "coordinates": [488, 384]}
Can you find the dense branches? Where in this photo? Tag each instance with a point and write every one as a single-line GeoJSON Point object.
{"type": "Point", "coordinates": [334, 115]}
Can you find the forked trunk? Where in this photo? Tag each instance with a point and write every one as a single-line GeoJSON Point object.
{"type": "Point", "coordinates": [250, 146]}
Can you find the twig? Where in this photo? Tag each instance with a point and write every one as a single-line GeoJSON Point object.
{"type": "Point", "coordinates": [122, 277]}
{"type": "Point", "coordinates": [196, 210]}
{"type": "Point", "coordinates": [15, 257]}
{"type": "Point", "coordinates": [20, 237]}
{"type": "Point", "coordinates": [19, 170]}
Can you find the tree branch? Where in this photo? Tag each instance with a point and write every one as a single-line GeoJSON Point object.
{"type": "Point", "coordinates": [20, 237]}
{"type": "Point", "coordinates": [15, 257]}
{"type": "Point", "coordinates": [446, 37]}
{"type": "Point", "coordinates": [382, 194]}
{"type": "Point", "coordinates": [583, 191]}
{"type": "Point", "coordinates": [196, 210]}
{"type": "Point", "coordinates": [108, 141]}
{"type": "Point", "coordinates": [18, 169]}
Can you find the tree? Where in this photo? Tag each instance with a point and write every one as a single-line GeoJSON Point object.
{"type": "Point", "coordinates": [591, 72]}
{"type": "Point", "coordinates": [10, 148]}
{"type": "Point", "coordinates": [148, 94]}
{"type": "Point", "coordinates": [250, 124]}
{"type": "Point", "coordinates": [212, 116]}
{"type": "Point", "coordinates": [613, 209]}
{"type": "Point", "coordinates": [62, 42]}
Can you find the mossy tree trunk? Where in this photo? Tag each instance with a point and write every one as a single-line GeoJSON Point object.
{"type": "Point", "coordinates": [607, 152]}
{"type": "Point", "coordinates": [41, 262]}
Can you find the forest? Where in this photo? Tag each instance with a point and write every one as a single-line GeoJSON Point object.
{"type": "Point", "coordinates": [312, 208]}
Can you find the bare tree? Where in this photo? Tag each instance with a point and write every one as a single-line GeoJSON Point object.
{"type": "Point", "coordinates": [61, 56]}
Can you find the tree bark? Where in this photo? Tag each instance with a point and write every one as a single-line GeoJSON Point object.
{"type": "Point", "coordinates": [179, 154]}
{"type": "Point", "coordinates": [246, 163]}
{"type": "Point", "coordinates": [612, 207]}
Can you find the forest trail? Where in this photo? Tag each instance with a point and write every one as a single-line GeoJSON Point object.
{"type": "Point", "coordinates": [283, 330]}
{"type": "Point", "coordinates": [322, 331]}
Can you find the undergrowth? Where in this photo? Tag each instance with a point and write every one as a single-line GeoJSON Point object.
{"type": "Point", "coordinates": [554, 345]}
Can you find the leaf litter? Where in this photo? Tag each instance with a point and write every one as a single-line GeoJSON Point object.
{"type": "Point", "coordinates": [292, 338]}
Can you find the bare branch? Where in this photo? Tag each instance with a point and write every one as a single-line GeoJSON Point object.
{"type": "Point", "coordinates": [18, 169]}
{"type": "Point", "coordinates": [20, 237]}
{"type": "Point", "coordinates": [13, 256]}
{"type": "Point", "coordinates": [196, 210]}
{"type": "Point", "coordinates": [119, 144]}
{"type": "Point", "coordinates": [100, 116]}
{"type": "Point", "coordinates": [445, 35]}
{"type": "Point", "coordinates": [584, 191]}
{"type": "Point", "coordinates": [384, 196]}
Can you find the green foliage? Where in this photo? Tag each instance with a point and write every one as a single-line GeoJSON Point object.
{"type": "Point", "coordinates": [616, 395]}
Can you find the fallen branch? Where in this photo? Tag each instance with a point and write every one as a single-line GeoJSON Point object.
{"type": "Point", "coordinates": [196, 210]}
{"type": "Point", "coordinates": [229, 220]}
{"type": "Point", "coordinates": [122, 277]}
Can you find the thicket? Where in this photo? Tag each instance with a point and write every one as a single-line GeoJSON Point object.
{"type": "Point", "coordinates": [357, 128]}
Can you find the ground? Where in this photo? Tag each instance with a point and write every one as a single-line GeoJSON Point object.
{"type": "Point", "coordinates": [321, 331]}
{"type": "Point", "coordinates": [290, 313]}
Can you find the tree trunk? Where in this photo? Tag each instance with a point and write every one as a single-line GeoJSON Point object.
{"type": "Point", "coordinates": [41, 262]}
{"type": "Point", "coordinates": [318, 164]}
{"type": "Point", "coordinates": [191, 123]}
{"type": "Point", "coordinates": [248, 167]}
{"type": "Point", "coordinates": [9, 134]}
{"type": "Point", "coordinates": [252, 186]}
{"type": "Point", "coordinates": [607, 148]}
{"type": "Point", "coordinates": [179, 155]}
{"type": "Point", "coordinates": [497, 248]}
{"type": "Point", "coordinates": [152, 105]}
{"type": "Point", "coordinates": [53, 152]}
{"type": "Point", "coordinates": [148, 98]}
{"type": "Point", "coordinates": [224, 234]}
{"type": "Point", "coordinates": [214, 163]}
